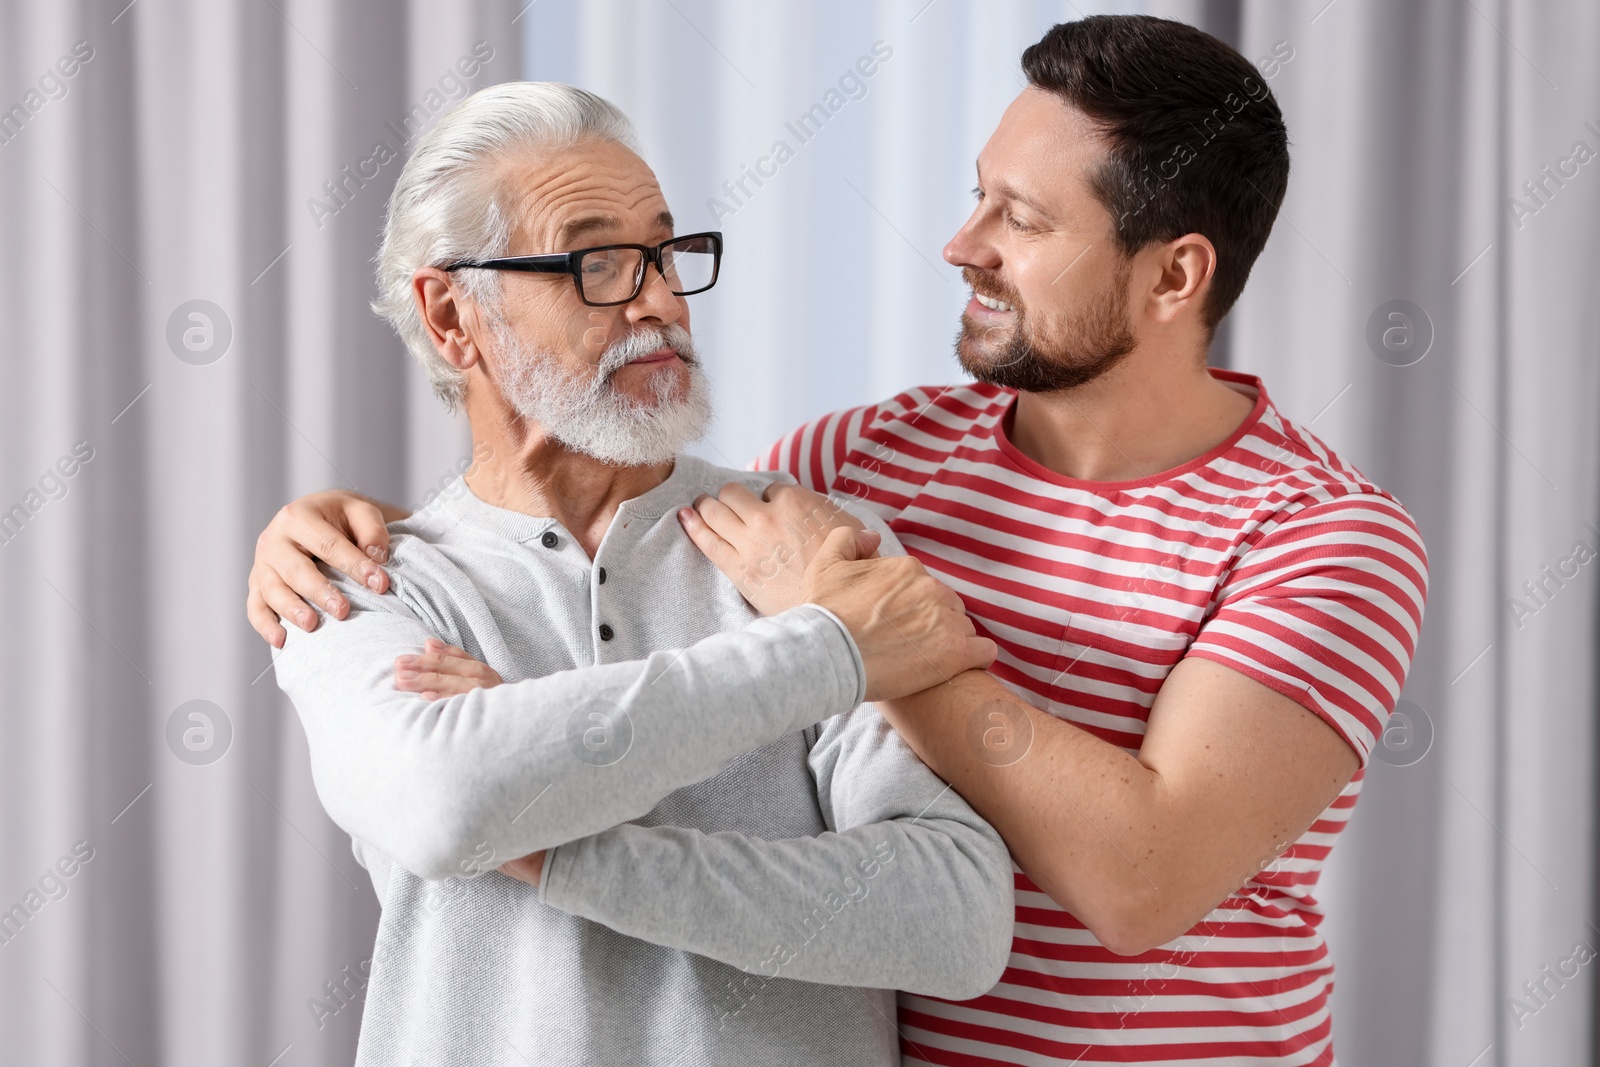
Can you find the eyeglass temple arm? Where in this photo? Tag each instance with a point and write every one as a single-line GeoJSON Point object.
{"type": "Point", "coordinates": [557, 263]}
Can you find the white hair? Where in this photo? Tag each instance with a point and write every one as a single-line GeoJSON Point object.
{"type": "Point", "coordinates": [446, 207]}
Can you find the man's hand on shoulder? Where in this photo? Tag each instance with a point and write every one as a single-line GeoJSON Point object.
{"type": "Point", "coordinates": [764, 544]}
{"type": "Point", "coordinates": [345, 530]}
{"type": "Point", "coordinates": [796, 548]}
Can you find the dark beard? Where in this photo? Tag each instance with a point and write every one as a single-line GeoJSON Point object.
{"type": "Point", "coordinates": [1096, 341]}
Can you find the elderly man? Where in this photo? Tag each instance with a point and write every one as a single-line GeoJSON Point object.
{"type": "Point", "coordinates": [669, 835]}
{"type": "Point", "coordinates": [1204, 615]}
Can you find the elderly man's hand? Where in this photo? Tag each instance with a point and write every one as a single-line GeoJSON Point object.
{"type": "Point", "coordinates": [527, 869]}
{"type": "Point", "coordinates": [764, 544]}
{"type": "Point", "coordinates": [442, 671]}
{"type": "Point", "coordinates": [911, 629]}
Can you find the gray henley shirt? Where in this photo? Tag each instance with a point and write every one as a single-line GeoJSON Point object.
{"type": "Point", "coordinates": [745, 860]}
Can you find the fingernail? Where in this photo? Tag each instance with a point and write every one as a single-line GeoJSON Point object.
{"type": "Point", "coordinates": [376, 552]}
{"type": "Point", "coordinates": [305, 618]}
{"type": "Point", "coordinates": [405, 661]}
{"type": "Point", "coordinates": [375, 581]}
{"type": "Point", "coordinates": [333, 605]}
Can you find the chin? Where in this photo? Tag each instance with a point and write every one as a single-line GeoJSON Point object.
{"type": "Point", "coordinates": [665, 384]}
{"type": "Point", "coordinates": [978, 358]}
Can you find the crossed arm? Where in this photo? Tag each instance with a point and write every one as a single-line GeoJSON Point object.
{"type": "Point", "coordinates": [910, 886]}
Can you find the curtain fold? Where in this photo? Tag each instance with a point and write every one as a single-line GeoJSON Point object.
{"type": "Point", "coordinates": [190, 218]}
{"type": "Point", "coordinates": [1469, 866]}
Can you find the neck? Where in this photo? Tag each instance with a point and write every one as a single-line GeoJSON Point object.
{"type": "Point", "coordinates": [522, 468]}
{"type": "Point", "coordinates": [1144, 416]}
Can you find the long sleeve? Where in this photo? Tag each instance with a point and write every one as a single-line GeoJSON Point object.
{"type": "Point", "coordinates": [458, 785]}
{"type": "Point", "coordinates": [909, 889]}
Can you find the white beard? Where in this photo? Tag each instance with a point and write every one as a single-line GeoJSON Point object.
{"type": "Point", "coordinates": [591, 416]}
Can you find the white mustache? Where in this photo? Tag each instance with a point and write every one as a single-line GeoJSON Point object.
{"type": "Point", "coordinates": [645, 340]}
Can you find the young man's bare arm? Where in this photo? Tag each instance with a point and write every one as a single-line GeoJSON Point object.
{"type": "Point", "coordinates": [1138, 848]}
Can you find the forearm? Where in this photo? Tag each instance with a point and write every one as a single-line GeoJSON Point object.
{"type": "Point", "coordinates": [503, 772]}
{"type": "Point", "coordinates": [1090, 825]}
{"type": "Point", "coordinates": [925, 906]}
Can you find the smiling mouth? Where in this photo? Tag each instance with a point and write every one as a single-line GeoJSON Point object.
{"type": "Point", "coordinates": [991, 303]}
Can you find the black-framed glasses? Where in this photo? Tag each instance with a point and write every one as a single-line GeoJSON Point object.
{"type": "Point", "coordinates": [614, 274]}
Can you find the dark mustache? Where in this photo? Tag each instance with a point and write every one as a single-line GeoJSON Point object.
{"type": "Point", "coordinates": [987, 283]}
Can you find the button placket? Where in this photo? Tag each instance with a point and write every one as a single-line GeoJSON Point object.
{"type": "Point", "coordinates": [604, 629]}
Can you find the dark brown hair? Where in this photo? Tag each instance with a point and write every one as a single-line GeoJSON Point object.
{"type": "Point", "coordinates": [1196, 143]}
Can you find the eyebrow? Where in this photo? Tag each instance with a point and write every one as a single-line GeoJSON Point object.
{"type": "Point", "coordinates": [572, 229]}
{"type": "Point", "coordinates": [1011, 192]}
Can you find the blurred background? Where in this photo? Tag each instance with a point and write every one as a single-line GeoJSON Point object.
{"type": "Point", "coordinates": [187, 221]}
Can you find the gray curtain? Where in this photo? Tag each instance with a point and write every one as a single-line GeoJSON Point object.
{"type": "Point", "coordinates": [1468, 868]}
{"type": "Point", "coordinates": [188, 219]}
{"type": "Point", "coordinates": [178, 164]}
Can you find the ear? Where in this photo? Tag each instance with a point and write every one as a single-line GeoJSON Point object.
{"type": "Point", "coordinates": [1184, 270]}
{"type": "Point", "coordinates": [450, 319]}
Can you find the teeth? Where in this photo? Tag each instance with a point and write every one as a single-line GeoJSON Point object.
{"type": "Point", "coordinates": [991, 303]}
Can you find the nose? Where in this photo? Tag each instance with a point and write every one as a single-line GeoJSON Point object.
{"type": "Point", "coordinates": [656, 302]}
{"type": "Point", "coordinates": [971, 246]}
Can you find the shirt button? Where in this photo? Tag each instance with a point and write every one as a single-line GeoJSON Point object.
{"type": "Point", "coordinates": [606, 632]}
{"type": "Point", "coordinates": [549, 540]}
{"type": "Point", "coordinates": [602, 576]}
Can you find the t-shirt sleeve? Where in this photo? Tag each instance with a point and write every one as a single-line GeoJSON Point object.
{"type": "Point", "coordinates": [816, 452]}
{"type": "Point", "coordinates": [1325, 608]}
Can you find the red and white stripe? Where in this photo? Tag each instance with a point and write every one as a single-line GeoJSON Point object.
{"type": "Point", "coordinates": [1269, 555]}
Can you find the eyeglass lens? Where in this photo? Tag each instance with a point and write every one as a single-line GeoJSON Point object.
{"type": "Point", "coordinates": [615, 274]}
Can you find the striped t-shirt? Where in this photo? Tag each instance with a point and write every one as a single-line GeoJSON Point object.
{"type": "Point", "coordinates": [1268, 554]}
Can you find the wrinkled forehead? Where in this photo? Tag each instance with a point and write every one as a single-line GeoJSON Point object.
{"type": "Point", "coordinates": [594, 193]}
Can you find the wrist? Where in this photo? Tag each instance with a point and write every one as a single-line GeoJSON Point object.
{"type": "Point", "coordinates": [943, 722]}
{"type": "Point", "coordinates": [846, 652]}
